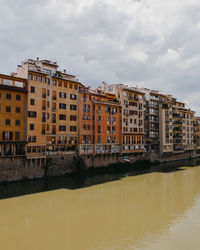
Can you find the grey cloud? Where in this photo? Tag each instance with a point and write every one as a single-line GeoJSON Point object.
{"type": "Point", "coordinates": [153, 42]}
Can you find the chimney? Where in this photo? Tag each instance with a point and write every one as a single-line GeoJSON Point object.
{"type": "Point", "coordinates": [64, 71]}
{"type": "Point", "coordinates": [38, 58]}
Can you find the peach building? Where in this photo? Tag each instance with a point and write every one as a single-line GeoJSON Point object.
{"type": "Point", "coordinates": [99, 123]}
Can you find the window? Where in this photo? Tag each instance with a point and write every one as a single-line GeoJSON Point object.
{"type": "Point", "coordinates": [73, 128]}
{"type": "Point", "coordinates": [34, 78]}
{"type": "Point", "coordinates": [84, 108]}
{"type": "Point", "coordinates": [44, 79]}
{"type": "Point", "coordinates": [32, 114]}
{"type": "Point", "coordinates": [8, 108]}
{"type": "Point", "coordinates": [39, 78]}
{"type": "Point", "coordinates": [62, 106]}
{"type": "Point", "coordinates": [99, 129]}
{"type": "Point", "coordinates": [72, 107]}
{"type": "Point", "coordinates": [59, 83]}
{"type": "Point", "coordinates": [99, 139]}
{"type": "Point", "coordinates": [31, 126]}
{"type": "Point", "coordinates": [7, 136]}
{"type": "Point", "coordinates": [8, 96]}
{"type": "Point", "coordinates": [62, 117]}
{"type": "Point", "coordinates": [17, 110]}
{"type": "Point", "coordinates": [8, 82]}
{"type": "Point", "coordinates": [17, 122]}
{"type": "Point", "coordinates": [32, 101]}
{"type": "Point", "coordinates": [7, 121]}
{"type": "Point", "coordinates": [32, 89]}
{"type": "Point", "coordinates": [17, 136]}
{"type": "Point", "coordinates": [54, 82]}
{"type": "Point", "coordinates": [107, 109]}
{"type": "Point", "coordinates": [62, 128]}
{"type": "Point", "coordinates": [33, 138]}
{"type": "Point", "coordinates": [72, 97]}
{"type": "Point", "coordinates": [18, 97]}
{"type": "Point", "coordinates": [62, 95]}
{"type": "Point", "coordinates": [43, 117]}
{"type": "Point", "coordinates": [30, 76]}
{"type": "Point", "coordinates": [72, 118]}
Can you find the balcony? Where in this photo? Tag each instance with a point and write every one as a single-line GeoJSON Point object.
{"type": "Point", "coordinates": [177, 141]}
{"type": "Point", "coordinates": [177, 129]}
{"type": "Point", "coordinates": [62, 142]}
{"type": "Point", "coordinates": [177, 136]}
{"type": "Point", "coordinates": [177, 123]}
{"type": "Point", "coordinates": [177, 116]}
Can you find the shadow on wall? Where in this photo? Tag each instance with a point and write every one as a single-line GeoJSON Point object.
{"type": "Point", "coordinates": [9, 190]}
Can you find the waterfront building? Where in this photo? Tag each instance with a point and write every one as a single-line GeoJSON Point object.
{"type": "Point", "coordinates": [13, 92]}
{"type": "Point", "coordinates": [52, 108]}
{"type": "Point", "coordinates": [99, 123]}
{"type": "Point", "coordinates": [176, 126]}
{"type": "Point", "coordinates": [53, 113]}
{"type": "Point", "coordinates": [183, 127]}
{"type": "Point", "coordinates": [197, 132]}
{"type": "Point", "coordinates": [132, 101]}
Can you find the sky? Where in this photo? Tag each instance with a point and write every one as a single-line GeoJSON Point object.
{"type": "Point", "coordinates": [148, 43]}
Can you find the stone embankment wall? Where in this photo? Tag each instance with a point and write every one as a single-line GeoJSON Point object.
{"type": "Point", "coordinates": [20, 168]}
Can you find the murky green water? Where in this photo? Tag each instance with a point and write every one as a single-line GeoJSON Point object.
{"type": "Point", "coordinates": [147, 211]}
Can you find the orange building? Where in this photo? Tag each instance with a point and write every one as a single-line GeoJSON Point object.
{"type": "Point", "coordinates": [99, 123]}
{"type": "Point", "coordinates": [52, 104]}
{"type": "Point", "coordinates": [12, 116]}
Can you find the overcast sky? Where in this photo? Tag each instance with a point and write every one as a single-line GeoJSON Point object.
{"type": "Point", "coordinates": [154, 43]}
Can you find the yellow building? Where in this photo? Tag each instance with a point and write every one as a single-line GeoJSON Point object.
{"type": "Point", "coordinates": [52, 122]}
{"type": "Point", "coordinates": [12, 116]}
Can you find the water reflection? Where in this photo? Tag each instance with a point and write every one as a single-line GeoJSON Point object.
{"type": "Point", "coordinates": [9, 190]}
{"type": "Point", "coordinates": [119, 214]}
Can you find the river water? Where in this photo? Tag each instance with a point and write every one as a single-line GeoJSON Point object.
{"type": "Point", "coordinates": [147, 210]}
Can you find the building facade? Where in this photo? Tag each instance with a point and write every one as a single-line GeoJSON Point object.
{"type": "Point", "coordinates": [52, 108]}
{"type": "Point", "coordinates": [100, 123]}
{"type": "Point", "coordinates": [13, 94]}
{"type": "Point", "coordinates": [45, 111]}
{"type": "Point", "coordinates": [132, 101]}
